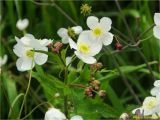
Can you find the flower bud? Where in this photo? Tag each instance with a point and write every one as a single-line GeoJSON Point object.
{"type": "Point", "coordinates": [89, 91]}
{"type": "Point", "coordinates": [57, 47]}
{"type": "Point", "coordinates": [118, 46]}
{"type": "Point", "coordinates": [96, 66]}
{"type": "Point", "coordinates": [86, 9]}
{"type": "Point", "coordinates": [124, 116]}
{"type": "Point", "coordinates": [102, 93]}
{"type": "Point", "coordinates": [95, 84]}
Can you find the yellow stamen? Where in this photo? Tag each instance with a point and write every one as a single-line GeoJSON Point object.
{"type": "Point", "coordinates": [97, 31]}
{"type": "Point", "coordinates": [84, 48]}
{"type": "Point", "coordinates": [29, 53]}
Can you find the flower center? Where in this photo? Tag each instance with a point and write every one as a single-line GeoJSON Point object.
{"type": "Point", "coordinates": [71, 33]}
{"type": "Point", "coordinates": [97, 31]}
{"type": "Point", "coordinates": [84, 48]}
{"type": "Point", "coordinates": [29, 53]}
{"type": "Point", "coordinates": [150, 104]}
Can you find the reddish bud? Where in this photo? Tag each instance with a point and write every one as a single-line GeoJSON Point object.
{"type": "Point", "coordinates": [118, 46]}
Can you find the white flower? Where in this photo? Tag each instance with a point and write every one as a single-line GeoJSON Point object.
{"type": "Point", "coordinates": [124, 116]}
{"type": "Point", "coordinates": [151, 105]}
{"type": "Point", "coordinates": [76, 117]}
{"type": "Point", "coordinates": [86, 48]}
{"type": "Point", "coordinates": [68, 60]}
{"type": "Point", "coordinates": [57, 94]}
{"type": "Point", "coordinates": [100, 29]}
{"type": "Point", "coordinates": [63, 33]}
{"type": "Point", "coordinates": [22, 24]}
{"type": "Point", "coordinates": [154, 116]}
{"type": "Point", "coordinates": [156, 29]}
{"type": "Point", "coordinates": [54, 114]}
{"type": "Point", "coordinates": [24, 49]}
{"type": "Point", "coordinates": [3, 60]}
{"type": "Point", "coordinates": [156, 90]}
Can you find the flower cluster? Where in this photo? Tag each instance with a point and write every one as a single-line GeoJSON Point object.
{"type": "Point", "coordinates": [151, 104]}
{"type": "Point", "coordinates": [89, 42]}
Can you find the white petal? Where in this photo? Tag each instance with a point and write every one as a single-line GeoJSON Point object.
{"type": "Point", "coordinates": [54, 114]}
{"type": "Point", "coordinates": [155, 91]}
{"type": "Point", "coordinates": [20, 50]}
{"type": "Point", "coordinates": [76, 117]}
{"type": "Point", "coordinates": [72, 44]}
{"type": "Point", "coordinates": [105, 23]}
{"type": "Point", "coordinates": [24, 64]}
{"type": "Point", "coordinates": [77, 29]}
{"type": "Point", "coordinates": [40, 58]}
{"type": "Point", "coordinates": [22, 24]}
{"type": "Point", "coordinates": [157, 19]}
{"type": "Point", "coordinates": [92, 21]}
{"type": "Point", "coordinates": [62, 32]}
{"type": "Point", "coordinates": [85, 59]}
{"type": "Point", "coordinates": [107, 38]}
{"type": "Point", "coordinates": [68, 60]}
{"type": "Point", "coordinates": [17, 39]}
{"type": "Point", "coordinates": [3, 60]}
{"type": "Point", "coordinates": [157, 83]}
{"type": "Point", "coordinates": [156, 31]}
{"type": "Point", "coordinates": [45, 42]}
{"type": "Point", "coordinates": [65, 39]}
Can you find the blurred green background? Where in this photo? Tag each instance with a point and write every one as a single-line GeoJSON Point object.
{"type": "Point", "coordinates": [129, 64]}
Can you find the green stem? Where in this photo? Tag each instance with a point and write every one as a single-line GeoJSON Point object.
{"type": "Point", "coordinates": [65, 96]}
{"type": "Point", "coordinates": [25, 96]}
{"type": "Point", "coordinates": [18, 9]}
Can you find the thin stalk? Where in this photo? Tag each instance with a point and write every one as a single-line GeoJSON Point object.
{"type": "Point", "coordinates": [18, 9]}
{"type": "Point", "coordinates": [65, 96]}
{"type": "Point", "coordinates": [124, 78]}
{"type": "Point", "coordinates": [25, 96]}
{"type": "Point", "coordinates": [133, 40]}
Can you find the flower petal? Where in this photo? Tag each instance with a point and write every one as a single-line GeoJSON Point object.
{"type": "Point", "coordinates": [62, 32]}
{"type": "Point", "coordinates": [84, 58]}
{"type": "Point", "coordinates": [40, 58]}
{"type": "Point", "coordinates": [156, 31]}
{"type": "Point", "coordinates": [77, 29]}
{"type": "Point", "coordinates": [105, 23]}
{"type": "Point", "coordinates": [157, 19]}
{"type": "Point", "coordinates": [54, 114]}
{"type": "Point", "coordinates": [24, 64]}
{"type": "Point", "coordinates": [155, 91]}
{"type": "Point", "coordinates": [45, 42]}
{"type": "Point", "coordinates": [20, 50]}
{"type": "Point", "coordinates": [107, 38]}
{"type": "Point", "coordinates": [76, 117]}
{"type": "Point", "coordinates": [157, 83]}
{"type": "Point", "coordinates": [72, 44]}
{"type": "Point", "coordinates": [68, 60]}
{"type": "Point", "coordinates": [65, 39]}
{"type": "Point", "coordinates": [92, 21]}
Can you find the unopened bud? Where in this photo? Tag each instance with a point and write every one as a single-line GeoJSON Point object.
{"type": "Point", "coordinates": [102, 93]}
{"type": "Point", "coordinates": [89, 92]}
{"type": "Point", "coordinates": [124, 116]}
{"type": "Point", "coordinates": [57, 47]}
{"type": "Point", "coordinates": [86, 9]}
{"type": "Point", "coordinates": [118, 46]}
{"type": "Point", "coordinates": [96, 66]}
